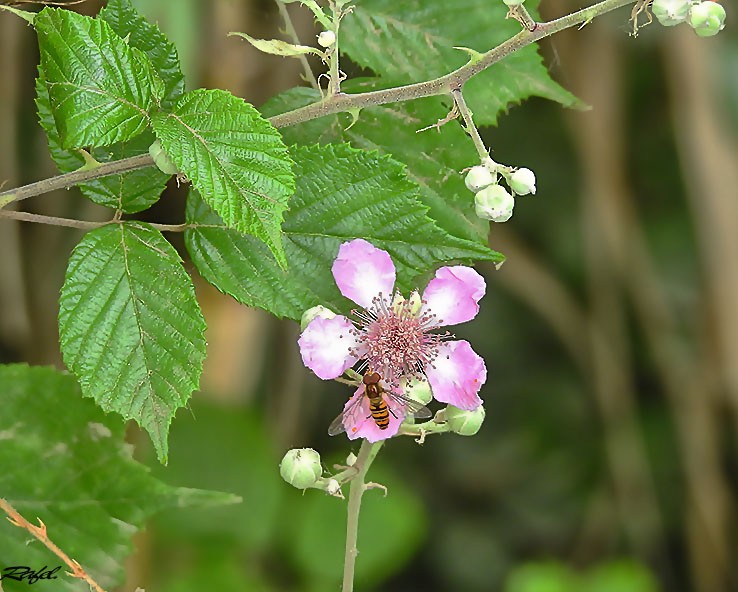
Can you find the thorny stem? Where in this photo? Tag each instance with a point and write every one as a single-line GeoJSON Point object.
{"type": "Point", "coordinates": [367, 453]}
{"type": "Point", "coordinates": [341, 102]}
{"type": "Point", "coordinates": [309, 75]}
{"type": "Point", "coordinates": [471, 129]}
{"type": "Point", "coordinates": [40, 533]}
{"type": "Point", "coordinates": [445, 84]}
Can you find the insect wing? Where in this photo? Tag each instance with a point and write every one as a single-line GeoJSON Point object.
{"type": "Point", "coordinates": [401, 406]}
{"type": "Point", "coordinates": [337, 425]}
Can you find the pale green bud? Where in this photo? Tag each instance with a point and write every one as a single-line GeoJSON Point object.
{"type": "Point", "coordinates": [417, 389]}
{"type": "Point", "coordinates": [314, 312]}
{"type": "Point", "coordinates": [513, 2]}
{"type": "Point", "coordinates": [523, 182]}
{"type": "Point", "coordinates": [301, 467]}
{"type": "Point", "coordinates": [478, 177]}
{"type": "Point", "coordinates": [707, 18]}
{"type": "Point", "coordinates": [326, 38]}
{"type": "Point", "coordinates": [464, 423]}
{"type": "Point", "coordinates": [162, 160]}
{"type": "Point", "coordinates": [351, 459]}
{"type": "Point", "coordinates": [494, 203]}
{"type": "Point", "coordinates": [671, 12]}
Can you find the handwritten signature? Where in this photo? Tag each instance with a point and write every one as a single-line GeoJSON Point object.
{"type": "Point", "coordinates": [20, 573]}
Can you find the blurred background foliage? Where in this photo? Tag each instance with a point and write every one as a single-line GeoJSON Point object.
{"type": "Point", "coordinates": [608, 459]}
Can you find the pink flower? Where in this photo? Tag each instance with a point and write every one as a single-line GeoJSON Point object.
{"type": "Point", "coordinates": [397, 337]}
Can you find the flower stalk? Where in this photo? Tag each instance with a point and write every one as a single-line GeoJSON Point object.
{"type": "Point", "coordinates": [471, 129]}
{"type": "Point", "coordinates": [358, 485]}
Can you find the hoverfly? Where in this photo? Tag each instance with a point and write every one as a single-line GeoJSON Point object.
{"type": "Point", "coordinates": [381, 403]}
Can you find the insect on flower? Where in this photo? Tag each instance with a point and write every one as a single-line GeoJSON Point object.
{"type": "Point", "coordinates": [381, 402]}
{"type": "Point", "coordinates": [395, 337]}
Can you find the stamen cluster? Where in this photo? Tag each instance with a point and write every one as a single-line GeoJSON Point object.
{"type": "Point", "coordinates": [396, 339]}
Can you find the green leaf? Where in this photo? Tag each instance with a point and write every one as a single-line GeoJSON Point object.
{"type": "Point", "coordinates": [68, 464]}
{"type": "Point", "coordinates": [136, 190]}
{"type": "Point", "coordinates": [235, 159]}
{"type": "Point", "coordinates": [130, 25]}
{"type": "Point", "coordinates": [130, 192]}
{"type": "Point", "coordinates": [414, 40]}
{"type": "Point", "coordinates": [100, 88]}
{"type": "Point", "coordinates": [277, 46]}
{"type": "Point", "coordinates": [130, 327]}
{"type": "Point", "coordinates": [434, 158]}
{"type": "Point", "coordinates": [341, 194]}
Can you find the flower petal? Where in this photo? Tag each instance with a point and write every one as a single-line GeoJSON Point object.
{"type": "Point", "coordinates": [360, 424]}
{"type": "Point", "coordinates": [457, 374]}
{"type": "Point", "coordinates": [362, 271]}
{"type": "Point", "coordinates": [325, 344]}
{"type": "Point", "coordinates": [453, 295]}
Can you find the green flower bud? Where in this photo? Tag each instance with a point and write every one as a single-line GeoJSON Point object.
{"type": "Point", "coordinates": [494, 203]}
{"type": "Point", "coordinates": [523, 182]}
{"type": "Point", "coordinates": [707, 18]}
{"type": "Point", "coordinates": [301, 467]}
{"type": "Point", "coordinates": [162, 160]}
{"type": "Point", "coordinates": [326, 38]}
{"type": "Point", "coordinates": [417, 389]}
{"type": "Point", "coordinates": [671, 12]}
{"type": "Point", "coordinates": [513, 2]}
{"type": "Point", "coordinates": [478, 177]}
{"type": "Point", "coordinates": [465, 423]}
{"type": "Point", "coordinates": [314, 312]}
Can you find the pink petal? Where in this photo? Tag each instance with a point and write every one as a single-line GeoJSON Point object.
{"type": "Point", "coordinates": [325, 344]}
{"type": "Point", "coordinates": [360, 424]}
{"type": "Point", "coordinates": [362, 271]}
{"type": "Point", "coordinates": [456, 375]}
{"type": "Point", "coordinates": [453, 295]}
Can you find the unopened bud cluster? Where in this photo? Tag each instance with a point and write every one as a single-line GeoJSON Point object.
{"type": "Point", "coordinates": [492, 201]}
{"type": "Point", "coordinates": [707, 18]}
